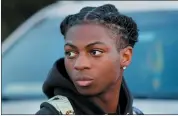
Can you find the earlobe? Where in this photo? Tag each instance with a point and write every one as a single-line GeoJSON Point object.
{"type": "Point", "coordinates": [126, 56]}
{"type": "Point", "coordinates": [124, 67]}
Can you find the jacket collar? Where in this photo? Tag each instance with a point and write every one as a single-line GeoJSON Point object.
{"type": "Point", "coordinates": [58, 78]}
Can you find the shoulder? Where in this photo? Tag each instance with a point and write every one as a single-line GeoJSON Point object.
{"type": "Point", "coordinates": [55, 106]}
{"type": "Point", "coordinates": [47, 111]}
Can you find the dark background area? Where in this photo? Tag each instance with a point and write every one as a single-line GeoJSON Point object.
{"type": "Point", "coordinates": [15, 12]}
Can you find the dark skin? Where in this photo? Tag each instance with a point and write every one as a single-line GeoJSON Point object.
{"type": "Point", "coordinates": [91, 52]}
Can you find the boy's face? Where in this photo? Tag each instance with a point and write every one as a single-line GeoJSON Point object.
{"type": "Point", "coordinates": [92, 60]}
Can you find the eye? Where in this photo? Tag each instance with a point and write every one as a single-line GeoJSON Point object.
{"type": "Point", "coordinates": [71, 54]}
{"type": "Point", "coordinates": [96, 52]}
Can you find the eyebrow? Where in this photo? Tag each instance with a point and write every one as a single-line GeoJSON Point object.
{"type": "Point", "coordinates": [89, 45]}
{"type": "Point", "coordinates": [94, 43]}
{"type": "Point", "coordinates": [71, 45]}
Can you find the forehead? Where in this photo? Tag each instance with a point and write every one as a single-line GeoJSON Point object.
{"type": "Point", "coordinates": [88, 33]}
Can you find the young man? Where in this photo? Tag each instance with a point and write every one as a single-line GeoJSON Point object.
{"type": "Point", "coordinates": [89, 80]}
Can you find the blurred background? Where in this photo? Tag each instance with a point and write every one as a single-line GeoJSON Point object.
{"type": "Point", "coordinates": [31, 42]}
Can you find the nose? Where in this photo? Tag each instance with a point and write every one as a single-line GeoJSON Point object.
{"type": "Point", "coordinates": [82, 62]}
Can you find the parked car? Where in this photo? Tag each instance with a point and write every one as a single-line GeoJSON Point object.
{"type": "Point", "coordinates": [30, 51]}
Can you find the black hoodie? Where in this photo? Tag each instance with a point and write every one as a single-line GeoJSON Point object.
{"type": "Point", "coordinates": [58, 83]}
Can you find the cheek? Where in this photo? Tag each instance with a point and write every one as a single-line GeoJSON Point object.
{"type": "Point", "coordinates": [109, 67]}
{"type": "Point", "coordinates": [68, 66]}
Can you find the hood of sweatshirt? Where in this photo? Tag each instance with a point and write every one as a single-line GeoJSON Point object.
{"type": "Point", "coordinates": [59, 83]}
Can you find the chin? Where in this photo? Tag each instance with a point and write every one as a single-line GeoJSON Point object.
{"type": "Point", "coordinates": [87, 92]}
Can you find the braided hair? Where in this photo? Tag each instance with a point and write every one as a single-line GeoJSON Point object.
{"type": "Point", "coordinates": [109, 17]}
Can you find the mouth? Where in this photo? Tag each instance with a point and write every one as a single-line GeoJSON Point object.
{"type": "Point", "coordinates": [84, 81]}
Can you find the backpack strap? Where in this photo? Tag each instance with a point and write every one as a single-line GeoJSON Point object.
{"type": "Point", "coordinates": [136, 111]}
{"type": "Point", "coordinates": [61, 104]}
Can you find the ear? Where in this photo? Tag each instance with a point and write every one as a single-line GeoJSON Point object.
{"type": "Point", "coordinates": [126, 56]}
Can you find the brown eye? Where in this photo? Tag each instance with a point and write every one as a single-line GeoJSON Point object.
{"type": "Point", "coordinates": [71, 54]}
{"type": "Point", "coordinates": [96, 52]}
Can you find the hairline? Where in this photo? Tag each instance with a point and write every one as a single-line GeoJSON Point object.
{"type": "Point", "coordinates": [109, 26]}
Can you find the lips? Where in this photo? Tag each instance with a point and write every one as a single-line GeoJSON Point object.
{"type": "Point", "coordinates": [84, 81]}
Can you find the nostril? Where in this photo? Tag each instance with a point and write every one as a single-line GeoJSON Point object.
{"type": "Point", "coordinates": [81, 66]}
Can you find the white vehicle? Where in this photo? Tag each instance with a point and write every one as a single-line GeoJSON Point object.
{"type": "Point", "coordinates": [29, 52]}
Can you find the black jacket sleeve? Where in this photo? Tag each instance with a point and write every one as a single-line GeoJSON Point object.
{"type": "Point", "coordinates": [47, 109]}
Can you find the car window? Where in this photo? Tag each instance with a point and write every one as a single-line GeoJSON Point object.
{"type": "Point", "coordinates": [27, 63]}
{"type": "Point", "coordinates": [152, 73]}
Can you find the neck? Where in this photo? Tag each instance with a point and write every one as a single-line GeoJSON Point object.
{"type": "Point", "coordinates": [109, 99]}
